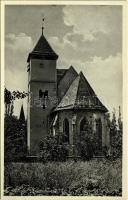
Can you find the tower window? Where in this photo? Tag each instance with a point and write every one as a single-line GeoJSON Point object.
{"type": "Point", "coordinates": [41, 65]}
{"type": "Point", "coordinates": [46, 94]}
{"type": "Point", "coordinates": [43, 97]}
{"type": "Point", "coordinates": [41, 93]}
{"type": "Point", "coordinates": [28, 68]}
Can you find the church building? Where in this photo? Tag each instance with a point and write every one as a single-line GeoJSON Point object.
{"type": "Point", "coordinates": [61, 101]}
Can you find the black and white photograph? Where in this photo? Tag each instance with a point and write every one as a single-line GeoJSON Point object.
{"type": "Point", "coordinates": [63, 100]}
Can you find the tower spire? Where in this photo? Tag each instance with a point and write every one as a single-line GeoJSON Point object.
{"type": "Point", "coordinates": [43, 25]}
{"type": "Point", "coordinates": [22, 116]}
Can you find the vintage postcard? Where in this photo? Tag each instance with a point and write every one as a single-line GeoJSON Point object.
{"type": "Point", "coordinates": [63, 99]}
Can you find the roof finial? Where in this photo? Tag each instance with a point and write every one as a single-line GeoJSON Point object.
{"type": "Point", "coordinates": [43, 23]}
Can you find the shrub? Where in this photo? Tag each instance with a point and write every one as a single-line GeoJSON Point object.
{"type": "Point", "coordinates": [86, 149]}
{"type": "Point", "coordinates": [15, 142]}
{"type": "Point", "coordinates": [64, 178]}
{"type": "Point", "coordinates": [87, 144]}
{"type": "Point", "coordinates": [52, 150]}
{"type": "Point", "coordinates": [116, 144]}
{"type": "Point", "coordinates": [116, 131]}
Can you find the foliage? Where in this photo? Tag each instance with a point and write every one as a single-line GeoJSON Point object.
{"type": "Point", "coordinates": [15, 138]}
{"type": "Point", "coordinates": [9, 98]}
{"type": "Point", "coordinates": [116, 136]}
{"type": "Point", "coordinates": [22, 116]}
{"type": "Point", "coordinates": [51, 149]}
{"type": "Point", "coordinates": [87, 143]}
{"type": "Point", "coordinates": [86, 147]}
{"type": "Point", "coordinates": [95, 177]}
{"type": "Point", "coordinates": [14, 129]}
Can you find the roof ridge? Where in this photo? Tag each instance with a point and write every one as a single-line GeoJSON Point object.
{"type": "Point", "coordinates": [77, 87]}
{"type": "Point", "coordinates": [71, 67]}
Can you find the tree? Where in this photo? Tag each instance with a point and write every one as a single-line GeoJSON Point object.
{"type": "Point", "coordinates": [22, 116]}
{"type": "Point", "coordinates": [9, 98]}
{"type": "Point", "coordinates": [119, 119]}
{"type": "Point", "coordinates": [87, 143]}
{"type": "Point", "coordinates": [15, 130]}
{"type": "Point", "coordinates": [116, 136]}
{"type": "Point", "coordinates": [15, 138]}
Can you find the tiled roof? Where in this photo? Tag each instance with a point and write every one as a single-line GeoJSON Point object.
{"type": "Point", "coordinates": [43, 50]}
{"type": "Point", "coordinates": [60, 74]}
{"type": "Point", "coordinates": [80, 95]}
{"type": "Point", "coordinates": [66, 73]}
{"type": "Point", "coordinates": [65, 82]}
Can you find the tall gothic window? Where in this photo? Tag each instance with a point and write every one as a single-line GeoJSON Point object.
{"type": "Point", "coordinates": [99, 133]}
{"type": "Point", "coordinates": [66, 130]}
{"type": "Point", "coordinates": [84, 129]}
{"type": "Point", "coordinates": [83, 125]}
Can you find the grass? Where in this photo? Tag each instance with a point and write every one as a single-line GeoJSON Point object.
{"type": "Point", "coordinates": [64, 178]}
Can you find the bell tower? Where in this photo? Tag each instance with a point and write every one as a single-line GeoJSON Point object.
{"type": "Point", "coordinates": [42, 89]}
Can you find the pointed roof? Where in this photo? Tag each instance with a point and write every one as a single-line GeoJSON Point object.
{"type": "Point", "coordinates": [67, 76]}
{"type": "Point", "coordinates": [43, 50]}
{"type": "Point", "coordinates": [60, 74]}
{"type": "Point", "coordinates": [64, 83]}
{"type": "Point", "coordinates": [80, 95]}
{"type": "Point", "coordinates": [22, 116]}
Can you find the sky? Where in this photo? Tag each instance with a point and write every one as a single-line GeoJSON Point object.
{"type": "Point", "coordinates": [87, 37]}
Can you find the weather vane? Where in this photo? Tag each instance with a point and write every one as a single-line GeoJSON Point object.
{"type": "Point", "coordinates": [42, 23]}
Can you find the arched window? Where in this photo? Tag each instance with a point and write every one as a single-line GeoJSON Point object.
{"type": "Point", "coordinates": [66, 130]}
{"type": "Point", "coordinates": [99, 133]}
{"type": "Point", "coordinates": [84, 125]}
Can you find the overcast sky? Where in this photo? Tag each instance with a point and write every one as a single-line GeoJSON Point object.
{"type": "Point", "coordinates": [87, 37]}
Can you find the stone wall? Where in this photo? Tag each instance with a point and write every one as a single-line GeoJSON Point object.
{"type": "Point", "coordinates": [43, 70]}
{"type": "Point", "coordinates": [42, 77]}
{"type": "Point", "coordinates": [74, 125]}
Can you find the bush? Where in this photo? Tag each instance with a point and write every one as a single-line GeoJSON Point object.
{"type": "Point", "coordinates": [87, 144]}
{"type": "Point", "coordinates": [86, 148]}
{"type": "Point", "coordinates": [52, 150]}
{"type": "Point", "coordinates": [15, 138]}
{"type": "Point", "coordinates": [115, 151]}
{"type": "Point", "coordinates": [116, 132]}
{"type": "Point", "coordinates": [116, 144]}
{"type": "Point", "coordinates": [64, 178]}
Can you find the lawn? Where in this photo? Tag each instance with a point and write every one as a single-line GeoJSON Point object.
{"type": "Point", "coordinates": [95, 177]}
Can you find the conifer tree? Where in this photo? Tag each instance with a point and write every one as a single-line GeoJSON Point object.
{"type": "Point", "coordinates": [116, 136]}
{"type": "Point", "coordinates": [22, 116]}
